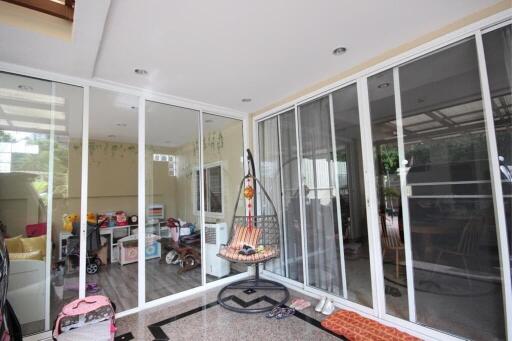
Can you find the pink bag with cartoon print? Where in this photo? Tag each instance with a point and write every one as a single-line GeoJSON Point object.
{"type": "Point", "coordinates": [85, 312]}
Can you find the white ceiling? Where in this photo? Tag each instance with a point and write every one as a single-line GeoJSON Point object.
{"type": "Point", "coordinates": [224, 50]}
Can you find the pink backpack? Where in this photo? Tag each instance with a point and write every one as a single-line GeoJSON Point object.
{"type": "Point", "coordinates": [83, 312]}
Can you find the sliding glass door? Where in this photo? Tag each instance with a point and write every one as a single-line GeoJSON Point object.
{"type": "Point", "coordinates": [387, 179]}
{"type": "Point", "coordinates": [40, 186]}
{"type": "Point", "coordinates": [172, 226]}
{"type": "Point", "coordinates": [441, 224]}
{"type": "Point", "coordinates": [323, 231]}
{"type": "Point", "coordinates": [278, 171]}
{"type": "Point", "coordinates": [223, 169]}
{"type": "Point", "coordinates": [498, 56]}
{"type": "Point", "coordinates": [351, 194]}
{"type": "Point", "coordinates": [112, 204]}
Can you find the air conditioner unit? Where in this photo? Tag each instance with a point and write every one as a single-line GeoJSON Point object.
{"type": "Point", "coordinates": [215, 236]}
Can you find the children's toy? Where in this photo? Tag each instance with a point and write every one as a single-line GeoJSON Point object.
{"type": "Point", "coordinates": [187, 256]}
{"type": "Point", "coordinates": [68, 220]}
{"type": "Point", "coordinates": [103, 220]}
{"type": "Point", "coordinates": [121, 219]}
{"type": "Point", "coordinates": [91, 218]}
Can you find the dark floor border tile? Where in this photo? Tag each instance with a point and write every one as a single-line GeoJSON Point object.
{"type": "Point", "coordinates": [160, 335]}
{"type": "Point", "coordinates": [124, 337]}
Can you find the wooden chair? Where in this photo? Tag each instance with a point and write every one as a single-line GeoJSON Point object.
{"type": "Point", "coordinates": [390, 240]}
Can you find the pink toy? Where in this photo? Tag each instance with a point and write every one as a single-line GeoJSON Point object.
{"type": "Point", "coordinates": [121, 219]}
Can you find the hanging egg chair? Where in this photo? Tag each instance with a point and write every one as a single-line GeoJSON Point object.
{"type": "Point", "coordinates": [254, 240]}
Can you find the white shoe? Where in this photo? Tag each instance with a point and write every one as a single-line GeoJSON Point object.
{"type": "Point", "coordinates": [321, 304]}
{"type": "Point", "coordinates": [328, 308]}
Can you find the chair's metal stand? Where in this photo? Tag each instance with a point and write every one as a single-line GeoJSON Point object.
{"type": "Point", "coordinates": [256, 283]}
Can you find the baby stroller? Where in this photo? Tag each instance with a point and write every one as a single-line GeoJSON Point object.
{"type": "Point", "coordinates": [93, 262]}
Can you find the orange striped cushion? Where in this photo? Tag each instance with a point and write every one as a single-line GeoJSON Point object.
{"type": "Point", "coordinates": [358, 328]}
{"type": "Point", "coordinates": [245, 236]}
{"type": "Point", "coordinates": [233, 254]}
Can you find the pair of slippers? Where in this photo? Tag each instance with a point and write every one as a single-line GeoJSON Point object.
{"type": "Point", "coordinates": [300, 304]}
{"type": "Point", "coordinates": [280, 313]}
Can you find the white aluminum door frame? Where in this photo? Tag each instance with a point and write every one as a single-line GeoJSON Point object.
{"type": "Point", "coordinates": [337, 196]}
{"type": "Point", "coordinates": [376, 267]}
{"type": "Point", "coordinates": [305, 273]}
{"type": "Point", "coordinates": [82, 275]}
{"type": "Point", "coordinates": [404, 197]}
{"type": "Point", "coordinates": [49, 209]}
{"type": "Point", "coordinates": [494, 167]}
{"type": "Point", "coordinates": [141, 197]}
{"type": "Point", "coordinates": [284, 236]}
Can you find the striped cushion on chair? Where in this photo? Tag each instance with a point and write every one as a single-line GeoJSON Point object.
{"type": "Point", "coordinates": [232, 254]}
{"type": "Point", "coordinates": [245, 236]}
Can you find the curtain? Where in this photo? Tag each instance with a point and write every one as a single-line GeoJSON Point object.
{"type": "Point", "coordinates": [291, 198]}
{"type": "Point", "coordinates": [270, 177]}
{"type": "Point", "coordinates": [320, 202]}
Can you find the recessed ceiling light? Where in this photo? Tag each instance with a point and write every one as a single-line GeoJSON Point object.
{"type": "Point", "coordinates": [339, 51]}
{"type": "Point", "coordinates": [141, 72]}
{"type": "Point", "coordinates": [246, 100]}
{"type": "Point", "coordinates": [383, 85]}
{"type": "Point", "coordinates": [25, 87]}
{"type": "Point", "coordinates": [121, 124]}
{"type": "Point", "coordinates": [111, 136]}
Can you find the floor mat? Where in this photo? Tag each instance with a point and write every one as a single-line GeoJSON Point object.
{"type": "Point", "coordinates": [358, 328]}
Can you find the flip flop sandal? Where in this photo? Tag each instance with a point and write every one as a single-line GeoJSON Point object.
{"type": "Point", "coordinates": [303, 305]}
{"type": "Point", "coordinates": [273, 313]}
{"type": "Point", "coordinates": [284, 313]}
{"type": "Point", "coordinates": [296, 302]}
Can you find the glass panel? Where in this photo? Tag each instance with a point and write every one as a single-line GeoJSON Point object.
{"type": "Point", "coordinates": [291, 198]}
{"type": "Point", "coordinates": [322, 232]}
{"type": "Point", "coordinates": [223, 159]}
{"type": "Point", "coordinates": [498, 56]}
{"type": "Point", "coordinates": [387, 179]}
{"type": "Point", "coordinates": [453, 231]}
{"type": "Point", "coordinates": [352, 195]}
{"type": "Point", "coordinates": [112, 197]}
{"type": "Point", "coordinates": [270, 177]}
{"type": "Point", "coordinates": [40, 178]}
{"type": "Point", "coordinates": [171, 214]}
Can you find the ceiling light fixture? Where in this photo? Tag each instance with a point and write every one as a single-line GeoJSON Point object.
{"type": "Point", "coordinates": [383, 85]}
{"type": "Point", "coordinates": [339, 51]}
{"type": "Point", "coordinates": [246, 100]}
{"type": "Point", "coordinates": [141, 72]}
{"type": "Point", "coordinates": [25, 87]}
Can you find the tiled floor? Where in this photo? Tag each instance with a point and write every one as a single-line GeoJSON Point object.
{"type": "Point", "coordinates": [201, 318]}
